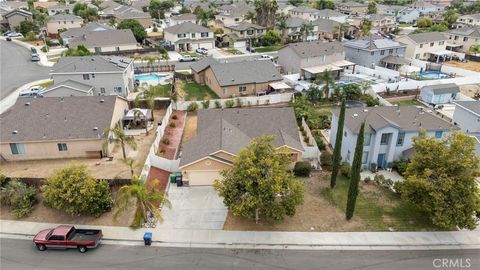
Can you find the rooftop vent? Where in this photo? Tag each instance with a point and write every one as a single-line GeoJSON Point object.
{"type": "Point", "coordinates": [365, 110]}
{"type": "Point", "coordinates": [95, 128]}
{"type": "Point", "coordinates": [15, 132]}
{"type": "Point", "coordinates": [355, 115]}
{"type": "Point", "coordinates": [102, 100]}
{"type": "Point", "coordinates": [27, 104]}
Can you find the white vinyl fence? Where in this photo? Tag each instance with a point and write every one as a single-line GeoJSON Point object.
{"type": "Point", "coordinates": [379, 72]}
{"type": "Point", "coordinates": [311, 153]}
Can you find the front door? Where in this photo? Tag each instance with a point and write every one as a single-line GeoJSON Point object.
{"type": "Point", "coordinates": [381, 161]}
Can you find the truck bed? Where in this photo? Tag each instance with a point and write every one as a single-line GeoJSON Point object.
{"type": "Point", "coordinates": [84, 235]}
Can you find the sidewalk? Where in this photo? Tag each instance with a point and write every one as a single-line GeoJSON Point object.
{"type": "Point", "coordinates": [43, 56]}
{"type": "Point", "coordinates": [267, 240]}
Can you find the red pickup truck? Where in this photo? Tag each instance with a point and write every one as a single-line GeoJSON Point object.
{"type": "Point", "coordinates": [66, 236]}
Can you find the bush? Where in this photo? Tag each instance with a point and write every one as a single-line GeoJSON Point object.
{"type": "Point", "coordinates": [174, 117]}
{"type": "Point", "coordinates": [19, 197]}
{"type": "Point", "coordinates": [193, 107]}
{"type": "Point", "coordinates": [346, 169]}
{"type": "Point", "coordinates": [373, 167]}
{"type": "Point", "coordinates": [326, 160]}
{"type": "Point", "coordinates": [302, 169]}
{"type": "Point", "coordinates": [166, 141]}
{"type": "Point", "coordinates": [206, 104]}
{"type": "Point", "coordinates": [369, 100]}
{"type": "Point", "coordinates": [379, 179]}
{"type": "Point", "coordinates": [400, 166]}
{"type": "Point", "coordinates": [172, 124]}
{"type": "Point", "coordinates": [73, 190]}
{"type": "Point", "coordinates": [218, 104]}
{"type": "Point", "coordinates": [238, 102]}
{"type": "Point", "coordinates": [320, 144]}
{"type": "Point", "coordinates": [162, 151]}
{"type": "Point", "coordinates": [397, 187]}
{"type": "Point", "coordinates": [30, 36]}
{"type": "Point", "coordinates": [229, 103]}
{"type": "Point", "coordinates": [367, 180]}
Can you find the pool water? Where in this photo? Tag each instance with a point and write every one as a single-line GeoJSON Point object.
{"type": "Point", "coordinates": [150, 77]}
{"type": "Point", "coordinates": [434, 75]}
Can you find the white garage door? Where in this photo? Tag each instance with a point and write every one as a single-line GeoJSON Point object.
{"type": "Point", "coordinates": [239, 44]}
{"type": "Point", "coordinates": [208, 45]}
{"type": "Point", "coordinates": [202, 178]}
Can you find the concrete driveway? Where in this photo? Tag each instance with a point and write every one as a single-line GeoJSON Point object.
{"type": "Point", "coordinates": [194, 208]}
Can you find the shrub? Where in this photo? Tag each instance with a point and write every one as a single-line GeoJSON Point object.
{"type": "Point", "coordinates": [373, 167]}
{"type": "Point", "coordinates": [3, 180]}
{"type": "Point", "coordinates": [218, 104]}
{"type": "Point", "coordinates": [267, 101]}
{"type": "Point", "coordinates": [302, 169]}
{"type": "Point", "coordinates": [400, 166]}
{"type": "Point", "coordinates": [306, 140]}
{"type": "Point", "coordinates": [229, 103]}
{"type": "Point", "coordinates": [369, 100]}
{"type": "Point", "coordinates": [390, 165]}
{"type": "Point", "coordinates": [238, 102]}
{"type": "Point", "coordinates": [320, 144]}
{"type": "Point", "coordinates": [367, 180]}
{"type": "Point", "coordinates": [397, 187]}
{"type": "Point", "coordinates": [346, 169]}
{"type": "Point", "coordinates": [166, 141]}
{"type": "Point", "coordinates": [379, 179]}
{"type": "Point", "coordinates": [19, 197]}
{"type": "Point", "coordinates": [73, 190]}
{"type": "Point", "coordinates": [162, 151]}
{"type": "Point", "coordinates": [174, 117]}
{"type": "Point", "coordinates": [206, 104]}
{"type": "Point", "coordinates": [326, 160]}
{"type": "Point", "coordinates": [193, 107]}
{"type": "Point", "coordinates": [172, 124]}
{"type": "Point", "coordinates": [301, 129]}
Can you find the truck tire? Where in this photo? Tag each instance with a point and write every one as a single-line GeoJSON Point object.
{"type": "Point", "coordinates": [41, 247]}
{"type": "Point", "coordinates": [82, 249]}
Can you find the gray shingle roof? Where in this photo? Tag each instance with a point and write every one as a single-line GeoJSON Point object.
{"type": "Point", "coordinates": [186, 27]}
{"type": "Point", "coordinates": [53, 118]}
{"type": "Point", "coordinates": [304, 9]}
{"type": "Point", "coordinates": [233, 129]}
{"type": "Point", "coordinates": [472, 105]}
{"type": "Point", "coordinates": [427, 37]}
{"type": "Point", "coordinates": [327, 13]}
{"type": "Point", "coordinates": [70, 84]}
{"type": "Point", "coordinates": [294, 22]}
{"type": "Point", "coordinates": [315, 48]}
{"type": "Point", "coordinates": [90, 27]}
{"type": "Point", "coordinates": [245, 72]}
{"type": "Point", "coordinates": [91, 64]}
{"type": "Point", "coordinates": [65, 17]}
{"type": "Point", "coordinates": [105, 38]}
{"type": "Point", "coordinates": [18, 11]}
{"type": "Point", "coordinates": [373, 43]}
{"type": "Point", "coordinates": [470, 31]}
{"type": "Point", "coordinates": [184, 17]}
{"type": "Point", "coordinates": [408, 118]}
{"type": "Point", "coordinates": [242, 26]}
{"type": "Point", "coordinates": [326, 25]}
{"type": "Point", "coordinates": [203, 64]}
{"type": "Point", "coordinates": [442, 88]}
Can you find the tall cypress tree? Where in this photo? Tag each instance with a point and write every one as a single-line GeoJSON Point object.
{"type": "Point", "coordinates": [337, 151]}
{"type": "Point", "coordinates": [355, 174]}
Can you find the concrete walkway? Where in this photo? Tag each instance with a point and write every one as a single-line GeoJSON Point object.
{"type": "Point", "coordinates": [266, 240]}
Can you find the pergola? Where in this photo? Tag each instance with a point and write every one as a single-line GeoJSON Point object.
{"type": "Point", "coordinates": [335, 68]}
{"type": "Point", "coordinates": [394, 62]}
{"type": "Point", "coordinates": [442, 54]}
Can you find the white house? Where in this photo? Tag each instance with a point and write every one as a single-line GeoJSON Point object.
{"type": "Point", "coordinates": [388, 132]}
{"type": "Point", "coordinates": [467, 118]}
{"type": "Point", "coordinates": [189, 36]}
{"type": "Point", "coordinates": [183, 18]}
{"type": "Point", "coordinates": [439, 94]}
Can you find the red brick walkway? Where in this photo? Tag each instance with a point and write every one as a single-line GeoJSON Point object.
{"type": "Point", "coordinates": [173, 134]}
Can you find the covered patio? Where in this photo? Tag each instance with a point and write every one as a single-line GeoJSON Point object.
{"type": "Point", "coordinates": [138, 119]}
{"type": "Point", "coordinates": [335, 68]}
{"type": "Point", "coordinates": [441, 56]}
{"type": "Point", "coordinates": [278, 87]}
{"type": "Point", "coordinates": [394, 62]}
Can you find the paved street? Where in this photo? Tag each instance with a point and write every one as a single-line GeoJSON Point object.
{"type": "Point", "coordinates": [20, 254]}
{"type": "Point", "coordinates": [17, 69]}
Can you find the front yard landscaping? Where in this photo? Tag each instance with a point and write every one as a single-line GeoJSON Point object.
{"type": "Point", "coordinates": [195, 91]}
{"type": "Point", "coordinates": [272, 48]}
{"type": "Point", "coordinates": [233, 51]}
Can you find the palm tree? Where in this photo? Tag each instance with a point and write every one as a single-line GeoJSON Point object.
{"type": "Point", "coordinates": [341, 28]}
{"type": "Point", "coordinates": [306, 29]}
{"type": "Point", "coordinates": [164, 55]}
{"type": "Point", "coordinates": [130, 163]}
{"type": "Point", "coordinates": [137, 118]}
{"type": "Point", "coordinates": [145, 199]}
{"type": "Point", "coordinates": [283, 27]}
{"type": "Point", "coordinates": [266, 12]}
{"type": "Point", "coordinates": [251, 15]}
{"type": "Point", "coordinates": [120, 137]}
{"type": "Point", "coordinates": [150, 61]}
{"type": "Point", "coordinates": [326, 78]}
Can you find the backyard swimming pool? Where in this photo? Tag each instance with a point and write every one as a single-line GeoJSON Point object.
{"type": "Point", "coordinates": [150, 78]}
{"type": "Point", "coordinates": [431, 75]}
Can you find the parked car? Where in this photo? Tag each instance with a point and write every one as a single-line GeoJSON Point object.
{"type": "Point", "coordinates": [15, 35]}
{"type": "Point", "coordinates": [7, 33]}
{"type": "Point", "coordinates": [33, 49]}
{"type": "Point", "coordinates": [9, 39]}
{"type": "Point", "coordinates": [66, 236]}
{"type": "Point", "coordinates": [251, 49]}
{"type": "Point", "coordinates": [35, 57]}
{"type": "Point", "coordinates": [266, 57]}
{"type": "Point", "coordinates": [203, 51]}
{"type": "Point", "coordinates": [54, 42]}
{"type": "Point", "coordinates": [35, 91]}
{"type": "Point", "coordinates": [188, 58]}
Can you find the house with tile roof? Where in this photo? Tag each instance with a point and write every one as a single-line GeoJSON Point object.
{"type": "Point", "coordinates": [223, 133]}
{"type": "Point", "coordinates": [59, 128]}
{"type": "Point", "coordinates": [389, 132]}
{"type": "Point", "coordinates": [189, 36]}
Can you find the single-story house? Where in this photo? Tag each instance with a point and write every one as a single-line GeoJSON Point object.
{"type": "Point", "coordinates": [237, 78]}
{"type": "Point", "coordinates": [85, 29]}
{"type": "Point", "coordinates": [58, 128]}
{"type": "Point", "coordinates": [116, 40]}
{"type": "Point", "coordinates": [223, 133]}
{"type": "Point", "coordinates": [439, 94]}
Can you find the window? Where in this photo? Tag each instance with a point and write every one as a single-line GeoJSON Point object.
{"type": "Point", "coordinates": [93, 76]}
{"type": "Point", "coordinates": [431, 44]}
{"type": "Point", "coordinates": [417, 56]}
{"type": "Point", "coordinates": [390, 51]}
{"type": "Point", "coordinates": [456, 38]}
{"type": "Point", "coordinates": [443, 42]}
{"type": "Point", "coordinates": [465, 38]}
{"type": "Point", "coordinates": [401, 137]}
{"type": "Point", "coordinates": [17, 148]}
{"type": "Point", "coordinates": [102, 90]}
{"type": "Point", "coordinates": [438, 134]}
{"type": "Point", "coordinates": [86, 76]}
{"type": "Point", "coordinates": [117, 89]}
{"type": "Point", "coordinates": [348, 155]}
{"type": "Point", "coordinates": [181, 35]}
{"type": "Point", "coordinates": [382, 52]}
{"type": "Point", "coordinates": [372, 53]}
{"type": "Point", "coordinates": [385, 138]}
{"type": "Point", "coordinates": [421, 45]}
{"type": "Point", "coordinates": [225, 90]}
{"type": "Point", "coordinates": [204, 34]}
{"type": "Point", "coordinates": [237, 19]}
{"type": "Point", "coordinates": [250, 32]}
{"type": "Point", "coordinates": [62, 147]}
{"type": "Point", "coordinates": [364, 157]}
{"type": "Point", "coordinates": [367, 138]}
{"type": "Point", "coordinates": [56, 237]}
{"type": "Point", "coordinates": [193, 35]}
{"type": "Point", "coordinates": [242, 89]}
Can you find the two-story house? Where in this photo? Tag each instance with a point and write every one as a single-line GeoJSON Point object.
{"type": "Point", "coordinates": [468, 20]}
{"type": "Point", "coordinates": [465, 37]}
{"type": "Point", "coordinates": [304, 12]}
{"type": "Point", "coordinates": [16, 16]}
{"type": "Point", "coordinates": [233, 13]}
{"type": "Point", "coordinates": [424, 45]}
{"type": "Point", "coordinates": [329, 14]}
{"type": "Point", "coordinates": [62, 22]}
{"type": "Point", "coordinates": [383, 23]}
{"type": "Point", "coordinates": [189, 36]}
{"type": "Point", "coordinates": [388, 132]}
{"type": "Point", "coordinates": [183, 18]}
{"type": "Point", "coordinates": [244, 34]}
{"type": "Point", "coordinates": [408, 15]}
{"type": "Point", "coordinates": [467, 117]}
{"type": "Point", "coordinates": [391, 10]}
{"type": "Point", "coordinates": [352, 7]}
{"type": "Point", "coordinates": [371, 52]}
{"type": "Point", "coordinates": [425, 7]}
{"type": "Point", "coordinates": [91, 75]}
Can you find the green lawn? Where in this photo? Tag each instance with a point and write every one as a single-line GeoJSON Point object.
{"type": "Point", "coordinates": [407, 102]}
{"type": "Point", "coordinates": [195, 91]}
{"type": "Point", "coordinates": [405, 25]}
{"type": "Point", "coordinates": [233, 51]}
{"type": "Point", "coordinates": [160, 90]}
{"type": "Point", "coordinates": [379, 208]}
{"type": "Point", "coordinates": [192, 54]}
{"type": "Point", "coordinates": [272, 48]}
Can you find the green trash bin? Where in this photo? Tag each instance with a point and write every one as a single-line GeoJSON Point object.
{"type": "Point", "coordinates": [173, 178]}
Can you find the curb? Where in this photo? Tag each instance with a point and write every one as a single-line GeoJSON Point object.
{"type": "Point", "coordinates": [10, 100]}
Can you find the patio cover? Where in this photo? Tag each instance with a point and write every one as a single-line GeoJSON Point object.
{"type": "Point", "coordinates": [343, 63]}
{"type": "Point", "coordinates": [442, 52]}
{"type": "Point", "coordinates": [453, 45]}
{"type": "Point", "coordinates": [320, 69]}
{"type": "Point", "coordinates": [130, 114]}
{"type": "Point", "coordinates": [279, 85]}
{"type": "Point", "coordinates": [397, 60]}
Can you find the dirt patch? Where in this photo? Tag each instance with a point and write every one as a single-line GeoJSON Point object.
{"type": "Point", "coordinates": [470, 90]}
{"type": "Point", "coordinates": [179, 89]}
{"type": "Point", "coordinates": [316, 214]}
{"type": "Point", "coordinates": [470, 65]}
{"type": "Point", "coordinates": [190, 127]}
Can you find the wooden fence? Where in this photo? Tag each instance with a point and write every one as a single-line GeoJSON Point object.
{"type": "Point", "coordinates": [142, 50]}
{"type": "Point", "coordinates": [471, 57]}
{"type": "Point", "coordinates": [183, 76]}
{"type": "Point", "coordinates": [157, 68]}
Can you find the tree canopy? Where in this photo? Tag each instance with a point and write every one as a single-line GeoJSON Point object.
{"type": "Point", "coordinates": [79, 51]}
{"type": "Point", "coordinates": [137, 29]}
{"type": "Point", "coordinates": [87, 13]}
{"type": "Point", "coordinates": [440, 179]}
{"type": "Point", "coordinates": [271, 37]}
{"type": "Point", "coordinates": [324, 4]}
{"type": "Point", "coordinates": [27, 26]}
{"type": "Point", "coordinates": [259, 183]}
{"type": "Point", "coordinates": [157, 8]}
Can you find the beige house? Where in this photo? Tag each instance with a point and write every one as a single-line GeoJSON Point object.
{"type": "Point", "coordinates": [116, 40]}
{"type": "Point", "coordinates": [58, 128]}
{"type": "Point", "coordinates": [62, 22]}
{"type": "Point", "coordinates": [424, 45]}
{"type": "Point", "coordinates": [183, 18]}
{"type": "Point", "coordinates": [233, 13]}
{"type": "Point", "coordinates": [16, 16]}
{"type": "Point", "coordinates": [464, 38]}
{"type": "Point", "coordinates": [237, 78]}
{"type": "Point", "coordinates": [244, 34]}
{"type": "Point", "coordinates": [223, 133]}
{"type": "Point", "coordinates": [189, 36]}
{"type": "Point", "coordinates": [352, 8]}
{"type": "Point", "coordinates": [469, 19]}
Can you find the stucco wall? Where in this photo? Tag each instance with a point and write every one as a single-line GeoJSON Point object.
{"type": "Point", "coordinates": [54, 26]}
{"type": "Point", "coordinates": [466, 120]}
{"type": "Point", "coordinates": [15, 20]}
{"type": "Point", "coordinates": [65, 92]}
